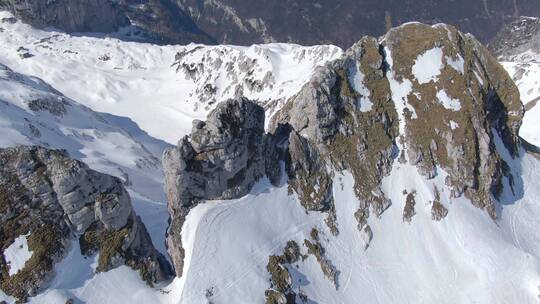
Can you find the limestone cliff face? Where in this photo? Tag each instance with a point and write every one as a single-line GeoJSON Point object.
{"type": "Point", "coordinates": [453, 120]}
{"type": "Point", "coordinates": [426, 97]}
{"type": "Point", "coordinates": [53, 201]}
{"type": "Point", "coordinates": [221, 159]}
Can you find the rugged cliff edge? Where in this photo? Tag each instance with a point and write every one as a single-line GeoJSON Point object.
{"type": "Point", "coordinates": [423, 98]}
{"type": "Point", "coordinates": [50, 201]}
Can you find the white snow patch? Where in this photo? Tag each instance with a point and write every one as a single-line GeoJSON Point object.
{"type": "Point", "coordinates": [357, 83]}
{"type": "Point", "coordinates": [17, 254]}
{"type": "Point", "coordinates": [480, 80]}
{"type": "Point", "coordinates": [453, 125]}
{"type": "Point", "coordinates": [525, 71]}
{"type": "Point", "coordinates": [457, 64]}
{"type": "Point", "coordinates": [428, 66]}
{"type": "Point", "coordinates": [400, 91]}
{"type": "Point", "coordinates": [448, 102]}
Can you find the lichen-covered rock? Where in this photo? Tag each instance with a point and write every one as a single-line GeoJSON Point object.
{"type": "Point", "coordinates": [423, 98]}
{"type": "Point", "coordinates": [281, 290]}
{"type": "Point", "coordinates": [428, 96]}
{"type": "Point", "coordinates": [453, 114]}
{"type": "Point", "coordinates": [221, 159]}
{"type": "Point", "coordinates": [49, 198]}
{"type": "Point", "coordinates": [341, 123]}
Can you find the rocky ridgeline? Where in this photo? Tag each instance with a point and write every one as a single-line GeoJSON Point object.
{"type": "Point", "coordinates": [427, 97]}
{"type": "Point", "coordinates": [54, 201]}
{"type": "Point", "coordinates": [517, 46]}
{"type": "Point", "coordinates": [247, 71]}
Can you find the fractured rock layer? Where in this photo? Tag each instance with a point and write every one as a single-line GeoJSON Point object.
{"type": "Point", "coordinates": [49, 198]}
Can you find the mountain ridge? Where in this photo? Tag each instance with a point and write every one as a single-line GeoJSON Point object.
{"type": "Point", "coordinates": [236, 22]}
{"type": "Point", "coordinates": [373, 177]}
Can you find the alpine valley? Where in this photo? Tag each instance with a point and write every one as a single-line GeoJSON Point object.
{"type": "Point", "coordinates": [403, 169]}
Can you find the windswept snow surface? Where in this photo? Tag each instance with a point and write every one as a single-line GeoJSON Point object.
{"type": "Point", "coordinates": [139, 81]}
{"type": "Point", "coordinates": [17, 254]}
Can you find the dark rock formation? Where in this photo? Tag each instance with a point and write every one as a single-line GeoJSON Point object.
{"type": "Point", "coordinates": [344, 22]}
{"type": "Point", "coordinates": [53, 199]}
{"type": "Point", "coordinates": [222, 159]}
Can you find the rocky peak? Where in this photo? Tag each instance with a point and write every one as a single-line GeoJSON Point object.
{"type": "Point", "coordinates": [455, 100]}
{"type": "Point", "coordinates": [430, 92]}
{"type": "Point", "coordinates": [54, 202]}
{"type": "Point", "coordinates": [221, 159]}
{"type": "Point", "coordinates": [423, 98]}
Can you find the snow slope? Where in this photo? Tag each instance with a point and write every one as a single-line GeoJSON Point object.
{"type": "Point", "coordinates": [32, 112]}
{"type": "Point", "coordinates": [525, 70]}
{"type": "Point", "coordinates": [139, 81]}
{"type": "Point", "coordinates": [465, 258]}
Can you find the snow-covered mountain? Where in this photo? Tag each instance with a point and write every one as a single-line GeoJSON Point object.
{"type": "Point", "coordinates": [161, 88]}
{"type": "Point", "coordinates": [391, 172]}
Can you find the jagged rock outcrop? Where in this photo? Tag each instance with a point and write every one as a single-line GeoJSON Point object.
{"type": "Point", "coordinates": [251, 72]}
{"type": "Point", "coordinates": [426, 96]}
{"type": "Point", "coordinates": [428, 99]}
{"type": "Point", "coordinates": [53, 200]}
{"type": "Point", "coordinates": [221, 159]}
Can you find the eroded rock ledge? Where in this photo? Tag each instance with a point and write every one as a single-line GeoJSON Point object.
{"type": "Point", "coordinates": [378, 106]}
{"type": "Point", "coordinates": [53, 200]}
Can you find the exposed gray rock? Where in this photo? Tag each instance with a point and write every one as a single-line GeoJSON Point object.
{"type": "Point", "coordinates": [345, 118]}
{"type": "Point", "coordinates": [51, 198]}
{"type": "Point", "coordinates": [221, 159]}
